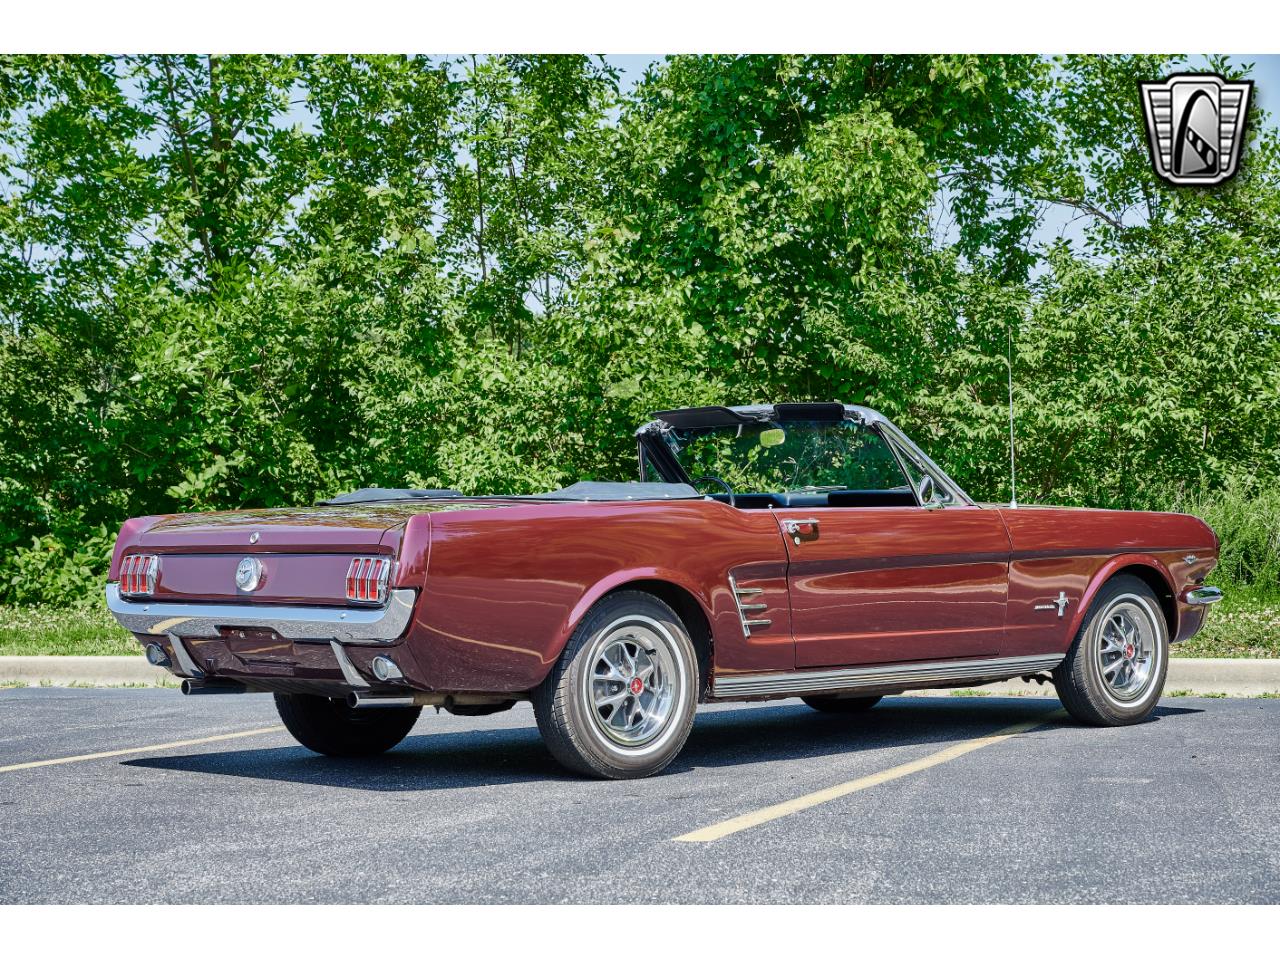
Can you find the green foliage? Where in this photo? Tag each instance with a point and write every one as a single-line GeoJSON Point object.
{"type": "Point", "coordinates": [56, 630]}
{"type": "Point", "coordinates": [1246, 516]}
{"type": "Point", "coordinates": [1246, 626]}
{"type": "Point", "coordinates": [259, 280]}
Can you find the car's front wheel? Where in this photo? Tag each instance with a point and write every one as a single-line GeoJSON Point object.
{"type": "Point", "coordinates": [1115, 670]}
{"type": "Point", "coordinates": [619, 703]}
{"type": "Point", "coordinates": [336, 730]}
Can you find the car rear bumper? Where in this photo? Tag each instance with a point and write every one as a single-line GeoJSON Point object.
{"type": "Point", "coordinates": [209, 620]}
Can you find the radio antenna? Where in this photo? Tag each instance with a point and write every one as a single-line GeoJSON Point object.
{"type": "Point", "coordinates": [1013, 463]}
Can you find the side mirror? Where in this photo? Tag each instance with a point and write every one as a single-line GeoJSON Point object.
{"type": "Point", "coordinates": [925, 491]}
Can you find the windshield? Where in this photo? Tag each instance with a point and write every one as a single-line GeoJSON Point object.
{"type": "Point", "coordinates": [795, 455]}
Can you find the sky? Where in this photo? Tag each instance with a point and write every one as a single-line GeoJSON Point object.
{"type": "Point", "coordinates": [1266, 80]}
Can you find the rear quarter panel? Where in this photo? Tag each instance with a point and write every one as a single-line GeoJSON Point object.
{"type": "Point", "coordinates": [1075, 551]}
{"type": "Point", "coordinates": [503, 589]}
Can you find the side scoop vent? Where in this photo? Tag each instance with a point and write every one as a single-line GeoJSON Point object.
{"type": "Point", "coordinates": [745, 609]}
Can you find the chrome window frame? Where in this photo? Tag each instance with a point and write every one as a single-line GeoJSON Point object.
{"type": "Point", "coordinates": [904, 448]}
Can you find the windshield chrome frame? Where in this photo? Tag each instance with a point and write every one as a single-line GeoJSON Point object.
{"type": "Point", "coordinates": [941, 480]}
{"type": "Point", "coordinates": [652, 447]}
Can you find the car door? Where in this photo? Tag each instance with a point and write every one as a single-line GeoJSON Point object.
{"type": "Point", "coordinates": [882, 584]}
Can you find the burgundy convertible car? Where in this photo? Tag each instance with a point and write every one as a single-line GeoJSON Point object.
{"type": "Point", "coordinates": [793, 550]}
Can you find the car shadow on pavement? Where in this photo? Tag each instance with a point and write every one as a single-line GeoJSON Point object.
{"type": "Point", "coordinates": [742, 736]}
{"type": "Point", "coordinates": [720, 738]}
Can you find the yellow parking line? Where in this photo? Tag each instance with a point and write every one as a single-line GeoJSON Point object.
{"type": "Point", "coordinates": [765, 814]}
{"type": "Point", "coordinates": [155, 746]}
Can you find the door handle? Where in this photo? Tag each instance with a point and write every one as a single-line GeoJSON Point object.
{"type": "Point", "coordinates": [796, 527]}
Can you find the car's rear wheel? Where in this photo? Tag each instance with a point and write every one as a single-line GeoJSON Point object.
{"type": "Point", "coordinates": [1115, 670]}
{"type": "Point", "coordinates": [841, 704]}
{"type": "Point", "coordinates": [619, 703]}
{"type": "Point", "coordinates": [334, 729]}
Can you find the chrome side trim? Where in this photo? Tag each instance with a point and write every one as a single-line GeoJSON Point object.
{"type": "Point", "coordinates": [1201, 596]}
{"type": "Point", "coordinates": [344, 624]}
{"type": "Point", "coordinates": [744, 608]}
{"type": "Point", "coordinates": [903, 676]}
{"type": "Point", "coordinates": [349, 672]}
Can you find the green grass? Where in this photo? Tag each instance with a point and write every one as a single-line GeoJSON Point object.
{"type": "Point", "coordinates": [1245, 624]}
{"type": "Point", "coordinates": [37, 631]}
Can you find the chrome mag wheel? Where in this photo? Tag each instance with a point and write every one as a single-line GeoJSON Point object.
{"type": "Point", "coordinates": [632, 681]}
{"type": "Point", "coordinates": [619, 701]}
{"type": "Point", "coordinates": [1128, 648]}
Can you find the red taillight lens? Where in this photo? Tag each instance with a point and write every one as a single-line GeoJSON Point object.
{"type": "Point", "coordinates": [138, 573]}
{"type": "Point", "coordinates": [367, 579]}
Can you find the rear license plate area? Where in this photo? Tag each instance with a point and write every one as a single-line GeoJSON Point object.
{"type": "Point", "coordinates": [260, 649]}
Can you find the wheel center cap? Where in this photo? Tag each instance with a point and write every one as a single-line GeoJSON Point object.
{"type": "Point", "coordinates": [636, 685]}
{"type": "Point", "coordinates": [1128, 651]}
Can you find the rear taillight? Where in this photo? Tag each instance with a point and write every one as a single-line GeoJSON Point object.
{"type": "Point", "coordinates": [138, 573]}
{"type": "Point", "coordinates": [367, 579]}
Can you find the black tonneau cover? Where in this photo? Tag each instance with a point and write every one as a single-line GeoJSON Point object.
{"type": "Point", "coordinates": [593, 490]}
{"type": "Point", "coordinates": [589, 491]}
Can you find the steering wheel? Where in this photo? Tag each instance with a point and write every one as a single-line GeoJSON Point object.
{"type": "Point", "coordinates": [727, 489]}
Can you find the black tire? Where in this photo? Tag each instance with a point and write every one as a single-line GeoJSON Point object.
{"type": "Point", "coordinates": [334, 729]}
{"type": "Point", "coordinates": [841, 704]}
{"type": "Point", "coordinates": [1091, 680]}
{"type": "Point", "coordinates": [576, 728]}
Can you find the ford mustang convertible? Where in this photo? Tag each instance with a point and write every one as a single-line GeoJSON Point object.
{"type": "Point", "coordinates": [790, 550]}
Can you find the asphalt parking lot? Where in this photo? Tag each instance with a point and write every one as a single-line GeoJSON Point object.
{"type": "Point", "coordinates": [1184, 808]}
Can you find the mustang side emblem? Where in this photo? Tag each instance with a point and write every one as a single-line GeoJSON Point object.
{"type": "Point", "coordinates": [1195, 127]}
{"type": "Point", "coordinates": [248, 574]}
{"type": "Point", "coordinates": [1060, 603]}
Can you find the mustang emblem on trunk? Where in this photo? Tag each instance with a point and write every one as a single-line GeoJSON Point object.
{"type": "Point", "coordinates": [249, 574]}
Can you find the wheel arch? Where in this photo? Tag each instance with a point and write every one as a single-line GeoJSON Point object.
{"type": "Point", "coordinates": [1147, 569]}
{"type": "Point", "coordinates": [669, 587]}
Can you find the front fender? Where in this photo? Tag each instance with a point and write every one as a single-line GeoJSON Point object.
{"type": "Point", "coordinates": [1106, 572]}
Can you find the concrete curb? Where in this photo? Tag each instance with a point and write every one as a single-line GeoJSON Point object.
{"type": "Point", "coordinates": [1235, 678]}
{"type": "Point", "coordinates": [84, 671]}
{"type": "Point", "coordinates": [1191, 676]}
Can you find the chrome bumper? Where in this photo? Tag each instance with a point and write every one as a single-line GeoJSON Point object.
{"type": "Point", "coordinates": [344, 624]}
{"type": "Point", "coordinates": [1201, 596]}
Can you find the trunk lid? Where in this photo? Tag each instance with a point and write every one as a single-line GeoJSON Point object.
{"type": "Point", "coordinates": [304, 552]}
{"type": "Point", "coordinates": [344, 529]}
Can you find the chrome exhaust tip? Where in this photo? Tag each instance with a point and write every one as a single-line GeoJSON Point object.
{"type": "Point", "coordinates": [384, 668]}
{"type": "Point", "coordinates": [156, 655]}
{"type": "Point", "coordinates": [192, 687]}
{"type": "Point", "coordinates": [365, 701]}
